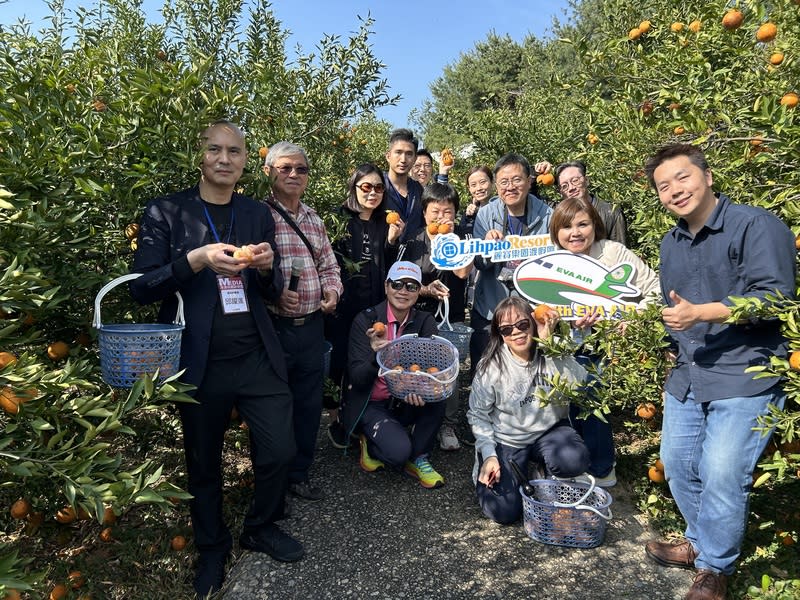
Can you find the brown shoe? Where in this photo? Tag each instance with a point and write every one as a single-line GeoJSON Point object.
{"type": "Point", "coordinates": [679, 554]}
{"type": "Point", "coordinates": [708, 585]}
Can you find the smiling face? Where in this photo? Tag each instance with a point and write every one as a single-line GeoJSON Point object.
{"type": "Point", "coordinates": [291, 184]}
{"type": "Point", "coordinates": [369, 200]}
{"type": "Point", "coordinates": [685, 190]}
{"type": "Point", "coordinates": [519, 342]}
{"type": "Point", "coordinates": [480, 187]}
{"type": "Point", "coordinates": [423, 169]}
{"type": "Point", "coordinates": [439, 212]}
{"type": "Point", "coordinates": [513, 186]}
{"type": "Point", "coordinates": [401, 157]}
{"type": "Point", "coordinates": [224, 156]}
{"type": "Point", "coordinates": [401, 300]}
{"type": "Point", "coordinates": [573, 184]}
{"type": "Point", "coordinates": [578, 236]}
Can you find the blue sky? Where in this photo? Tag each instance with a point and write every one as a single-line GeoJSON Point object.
{"type": "Point", "coordinates": [415, 39]}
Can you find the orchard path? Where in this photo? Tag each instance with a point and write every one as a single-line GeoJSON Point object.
{"type": "Point", "coordinates": [382, 536]}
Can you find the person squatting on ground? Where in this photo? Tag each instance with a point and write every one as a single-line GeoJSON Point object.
{"type": "Point", "coordinates": [229, 348]}
{"type": "Point", "coordinates": [383, 420]}
{"type": "Point", "coordinates": [507, 418]}
{"type": "Point", "coordinates": [711, 439]}
{"type": "Point", "coordinates": [577, 227]}
{"type": "Point", "coordinates": [307, 257]}
{"type": "Point", "coordinates": [364, 254]}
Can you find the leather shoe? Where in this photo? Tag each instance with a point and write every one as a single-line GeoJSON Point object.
{"type": "Point", "coordinates": [679, 554]}
{"type": "Point", "coordinates": [304, 489]}
{"type": "Point", "coordinates": [708, 585]}
{"type": "Point", "coordinates": [210, 573]}
{"type": "Point", "coordinates": [272, 540]}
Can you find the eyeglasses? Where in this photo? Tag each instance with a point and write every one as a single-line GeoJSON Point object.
{"type": "Point", "coordinates": [507, 330]}
{"type": "Point", "coordinates": [424, 167]}
{"type": "Point", "coordinates": [287, 169]}
{"type": "Point", "coordinates": [513, 183]}
{"type": "Point", "coordinates": [576, 181]}
{"type": "Point", "coordinates": [367, 187]}
{"type": "Point", "coordinates": [411, 286]}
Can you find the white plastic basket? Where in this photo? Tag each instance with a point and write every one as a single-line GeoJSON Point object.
{"type": "Point", "coordinates": [396, 359]}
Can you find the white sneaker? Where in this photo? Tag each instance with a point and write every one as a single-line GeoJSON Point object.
{"type": "Point", "coordinates": [447, 438]}
{"type": "Point", "coordinates": [608, 481]}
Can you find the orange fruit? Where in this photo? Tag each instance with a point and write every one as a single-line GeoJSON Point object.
{"type": "Point", "coordinates": [674, 105]}
{"type": "Point", "coordinates": [432, 370]}
{"type": "Point", "coordinates": [58, 350]}
{"type": "Point", "coordinates": [676, 27]}
{"type": "Point", "coordinates": [789, 100]}
{"type": "Point", "coordinates": [646, 107]}
{"type": "Point", "coordinates": [243, 254]}
{"type": "Point", "coordinates": [20, 509]}
{"type": "Point", "coordinates": [732, 19]}
{"type": "Point", "coordinates": [679, 130]}
{"type": "Point", "coordinates": [392, 217]}
{"type": "Point", "coordinates": [12, 594]}
{"type": "Point", "coordinates": [695, 26]}
{"type": "Point", "coordinates": [592, 138]}
{"type": "Point", "coordinates": [58, 592]}
{"type": "Point", "coordinates": [9, 401]}
{"type": "Point", "coordinates": [433, 228]}
{"type": "Point", "coordinates": [131, 230]}
{"type": "Point", "coordinates": [634, 34]}
{"type": "Point", "coordinates": [541, 312]}
{"type": "Point", "coordinates": [659, 465]}
{"type": "Point", "coordinates": [656, 475]}
{"type": "Point", "coordinates": [447, 157]}
{"type": "Point", "coordinates": [797, 243]}
{"type": "Point", "coordinates": [76, 579]}
{"type": "Point", "coordinates": [776, 58]}
{"type": "Point", "coordinates": [645, 26]}
{"type": "Point", "coordinates": [379, 328]}
{"type": "Point", "coordinates": [109, 516]}
{"type": "Point", "coordinates": [787, 540]}
{"type": "Point", "coordinates": [262, 152]}
{"type": "Point", "coordinates": [66, 515]}
{"type": "Point", "coordinates": [546, 179]}
{"type": "Point", "coordinates": [646, 411]}
{"type": "Point", "coordinates": [794, 360]}
{"type": "Point", "coordinates": [444, 228]}
{"type": "Point", "coordinates": [178, 543]}
{"type": "Point", "coordinates": [398, 368]}
{"type": "Point", "coordinates": [767, 32]}
{"type": "Point", "coordinates": [106, 535]}
{"type": "Point", "coordinates": [6, 358]}
{"type": "Point", "coordinates": [414, 368]}
{"type": "Point", "coordinates": [99, 105]}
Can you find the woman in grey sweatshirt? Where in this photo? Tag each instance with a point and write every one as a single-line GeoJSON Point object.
{"type": "Point", "coordinates": [507, 418]}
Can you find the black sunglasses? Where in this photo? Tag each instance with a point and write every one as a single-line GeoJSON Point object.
{"type": "Point", "coordinates": [287, 169]}
{"type": "Point", "coordinates": [411, 286]}
{"type": "Point", "coordinates": [507, 330]}
{"type": "Point", "coordinates": [367, 187]}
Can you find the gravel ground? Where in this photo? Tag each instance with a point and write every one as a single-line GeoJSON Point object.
{"type": "Point", "coordinates": [382, 536]}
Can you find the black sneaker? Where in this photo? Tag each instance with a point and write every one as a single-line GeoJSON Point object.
{"type": "Point", "coordinates": [210, 573]}
{"type": "Point", "coordinates": [337, 434]}
{"type": "Point", "coordinates": [304, 489]}
{"type": "Point", "coordinates": [272, 540]}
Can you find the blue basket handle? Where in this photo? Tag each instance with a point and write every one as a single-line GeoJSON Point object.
{"type": "Point", "coordinates": [577, 504]}
{"type": "Point", "coordinates": [97, 322]}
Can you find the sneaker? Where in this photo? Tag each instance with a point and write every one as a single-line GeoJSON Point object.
{"type": "Point", "coordinates": [210, 573]}
{"type": "Point", "coordinates": [607, 481]}
{"type": "Point", "coordinates": [422, 470]}
{"type": "Point", "coordinates": [447, 438]}
{"type": "Point", "coordinates": [337, 434]}
{"type": "Point", "coordinates": [368, 464]}
{"type": "Point", "coordinates": [272, 540]}
{"type": "Point", "coordinates": [304, 489]}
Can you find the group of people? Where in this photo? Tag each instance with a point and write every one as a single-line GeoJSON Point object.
{"type": "Point", "coordinates": [264, 287]}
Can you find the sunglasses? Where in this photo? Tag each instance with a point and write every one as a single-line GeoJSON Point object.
{"type": "Point", "coordinates": [367, 187]}
{"type": "Point", "coordinates": [507, 330]}
{"type": "Point", "coordinates": [286, 170]}
{"type": "Point", "coordinates": [411, 286]}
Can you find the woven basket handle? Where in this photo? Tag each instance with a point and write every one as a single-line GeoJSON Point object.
{"type": "Point", "coordinates": [97, 321]}
{"type": "Point", "coordinates": [443, 311]}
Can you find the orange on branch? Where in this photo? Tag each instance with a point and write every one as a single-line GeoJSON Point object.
{"type": "Point", "coordinates": [732, 19]}
{"type": "Point", "coordinates": [789, 100]}
{"type": "Point", "coordinates": [20, 509]}
{"type": "Point", "coordinates": [656, 475]}
{"type": "Point", "coordinates": [6, 358]}
{"type": "Point", "coordinates": [767, 32]}
{"type": "Point", "coordinates": [646, 410]}
{"type": "Point", "coordinates": [58, 350]}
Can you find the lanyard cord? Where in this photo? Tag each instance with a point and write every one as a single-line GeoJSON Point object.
{"type": "Point", "coordinates": [214, 229]}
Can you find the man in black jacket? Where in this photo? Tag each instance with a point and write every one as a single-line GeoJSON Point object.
{"type": "Point", "coordinates": [217, 248]}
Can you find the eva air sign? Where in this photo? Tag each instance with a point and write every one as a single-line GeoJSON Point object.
{"type": "Point", "coordinates": [575, 285]}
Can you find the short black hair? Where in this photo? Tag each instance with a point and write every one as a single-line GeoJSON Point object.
{"type": "Point", "coordinates": [424, 152]}
{"type": "Point", "coordinates": [440, 192]}
{"type": "Point", "coordinates": [577, 164]}
{"type": "Point", "coordinates": [512, 158]}
{"type": "Point", "coordinates": [403, 135]}
{"type": "Point", "coordinates": [665, 153]}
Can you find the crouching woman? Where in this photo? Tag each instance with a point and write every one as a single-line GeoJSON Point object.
{"type": "Point", "coordinates": [507, 418]}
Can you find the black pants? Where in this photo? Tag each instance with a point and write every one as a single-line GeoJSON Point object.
{"type": "Point", "coordinates": [263, 400]}
{"type": "Point", "coordinates": [303, 347]}
{"type": "Point", "coordinates": [478, 340]}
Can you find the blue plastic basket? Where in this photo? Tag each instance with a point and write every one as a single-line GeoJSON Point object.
{"type": "Point", "coordinates": [396, 358]}
{"type": "Point", "coordinates": [128, 351]}
{"type": "Point", "coordinates": [566, 513]}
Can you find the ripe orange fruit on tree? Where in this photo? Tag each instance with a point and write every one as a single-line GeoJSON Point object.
{"type": "Point", "coordinates": [109, 516]}
{"type": "Point", "coordinates": [646, 410]}
{"type": "Point", "coordinates": [542, 311]}
{"type": "Point", "coordinates": [66, 515]}
{"type": "Point", "coordinates": [58, 350]}
{"type": "Point", "coordinates": [433, 228]}
{"type": "Point", "coordinates": [392, 217]}
{"type": "Point", "coordinates": [794, 360]}
{"type": "Point", "coordinates": [767, 32]}
{"type": "Point", "coordinates": [379, 328]}
{"type": "Point", "coordinates": [131, 230]}
{"type": "Point", "coordinates": [592, 138]}
{"type": "Point", "coordinates": [645, 26]}
{"type": "Point", "coordinates": [679, 130]}
{"type": "Point", "coordinates": [444, 228]}
{"type": "Point", "coordinates": [20, 509]}
{"type": "Point", "coordinates": [6, 358]}
{"type": "Point", "coordinates": [732, 19]}
{"type": "Point", "coordinates": [695, 26]}
{"type": "Point", "coordinates": [655, 475]}
{"type": "Point", "coordinates": [106, 535]}
{"type": "Point", "coordinates": [789, 100]}
{"type": "Point", "coordinates": [9, 401]}
{"type": "Point", "coordinates": [676, 27]}
{"type": "Point", "coordinates": [634, 34]}
{"type": "Point", "coordinates": [262, 152]}
{"type": "Point", "coordinates": [659, 465]}
{"type": "Point", "coordinates": [178, 543]}
{"type": "Point", "coordinates": [776, 58]}
{"type": "Point", "coordinates": [546, 179]}
{"type": "Point", "coordinates": [58, 592]}
{"type": "Point", "coordinates": [76, 579]}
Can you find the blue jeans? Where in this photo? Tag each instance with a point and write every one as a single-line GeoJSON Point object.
{"type": "Point", "coordinates": [709, 451]}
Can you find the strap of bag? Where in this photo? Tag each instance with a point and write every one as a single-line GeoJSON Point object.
{"type": "Point", "coordinates": [291, 222]}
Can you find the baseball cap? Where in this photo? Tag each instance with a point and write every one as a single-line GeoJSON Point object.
{"type": "Point", "coordinates": [404, 269]}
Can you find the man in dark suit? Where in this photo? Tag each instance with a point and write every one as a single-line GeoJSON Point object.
{"type": "Point", "coordinates": [217, 248]}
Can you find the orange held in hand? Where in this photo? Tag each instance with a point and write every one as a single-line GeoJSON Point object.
{"type": "Point", "coordinates": [444, 228]}
{"type": "Point", "coordinates": [543, 311]}
{"type": "Point", "coordinates": [447, 157]}
{"type": "Point", "coordinates": [545, 179]}
{"type": "Point", "coordinates": [392, 217]}
{"type": "Point", "coordinates": [433, 228]}
{"type": "Point", "coordinates": [379, 328]}
{"type": "Point", "coordinates": [244, 254]}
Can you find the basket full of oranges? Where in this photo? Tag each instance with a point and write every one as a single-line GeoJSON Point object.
{"type": "Point", "coordinates": [424, 366]}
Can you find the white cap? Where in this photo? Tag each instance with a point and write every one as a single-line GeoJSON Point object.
{"type": "Point", "coordinates": [404, 269]}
